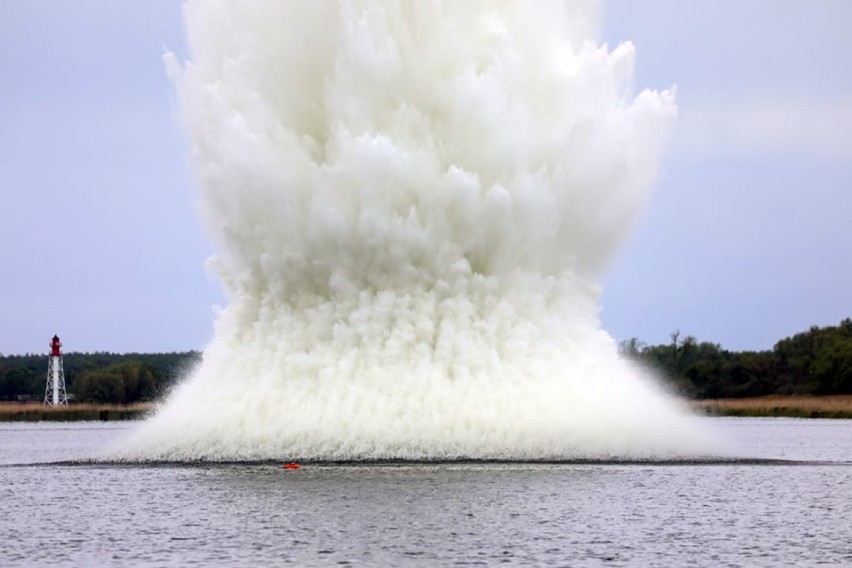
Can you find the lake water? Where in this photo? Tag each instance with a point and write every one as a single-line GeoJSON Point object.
{"type": "Point", "coordinates": [734, 514]}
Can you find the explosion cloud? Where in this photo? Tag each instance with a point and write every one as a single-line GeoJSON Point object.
{"type": "Point", "coordinates": [412, 202]}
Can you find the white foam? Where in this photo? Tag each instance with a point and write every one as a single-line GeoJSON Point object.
{"type": "Point", "coordinates": [412, 202]}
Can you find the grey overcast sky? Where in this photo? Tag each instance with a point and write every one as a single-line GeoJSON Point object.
{"type": "Point", "coordinates": [746, 239]}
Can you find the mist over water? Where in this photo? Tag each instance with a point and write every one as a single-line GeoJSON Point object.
{"type": "Point", "coordinates": [412, 203]}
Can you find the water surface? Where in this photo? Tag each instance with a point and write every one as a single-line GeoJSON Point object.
{"type": "Point", "coordinates": [427, 515]}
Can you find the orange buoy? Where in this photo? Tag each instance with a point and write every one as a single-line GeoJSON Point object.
{"type": "Point", "coordinates": [291, 466]}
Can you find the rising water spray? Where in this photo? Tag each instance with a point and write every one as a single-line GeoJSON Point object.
{"type": "Point", "coordinates": [412, 202]}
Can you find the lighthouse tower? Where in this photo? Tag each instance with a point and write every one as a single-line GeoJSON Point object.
{"type": "Point", "coordinates": [54, 392]}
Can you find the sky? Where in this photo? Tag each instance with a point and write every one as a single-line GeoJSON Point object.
{"type": "Point", "coordinates": [746, 239]}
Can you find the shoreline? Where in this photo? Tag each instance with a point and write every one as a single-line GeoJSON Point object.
{"type": "Point", "coordinates": [74, 412]}
{"type": "Point", "coordinates": [835, 406]}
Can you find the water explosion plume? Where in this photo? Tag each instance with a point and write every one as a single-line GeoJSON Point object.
{"type": "Point", "coordinates": [412, 201]}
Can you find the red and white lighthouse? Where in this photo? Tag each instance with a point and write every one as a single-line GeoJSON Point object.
{"type": "Point", "coordinates": [54, 392]}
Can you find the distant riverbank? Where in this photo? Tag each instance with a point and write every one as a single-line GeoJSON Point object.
{"type": "Point", "coordinates": [839, 406]}
{"type": "Point", "coordinates": [37, 412]}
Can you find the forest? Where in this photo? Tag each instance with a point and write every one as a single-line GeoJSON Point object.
{"type": "Point", "coordinates": [97, 377]}
{"type": "Point", "coordinates": [815, 362]}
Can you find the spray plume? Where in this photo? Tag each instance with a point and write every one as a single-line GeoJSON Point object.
{"type": "Point", "coordinates": [412, 201]}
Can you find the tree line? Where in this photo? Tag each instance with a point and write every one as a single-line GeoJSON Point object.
{"type": "Point", "coordinates": [814, 362]}
{"type": "Point", "coordinates": [97, 377]}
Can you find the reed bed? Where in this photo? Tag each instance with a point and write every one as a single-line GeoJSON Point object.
{"type": "Point", "coordinates": [37, 412]}
{"type": "Point", "coordinates": [837, 406]}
